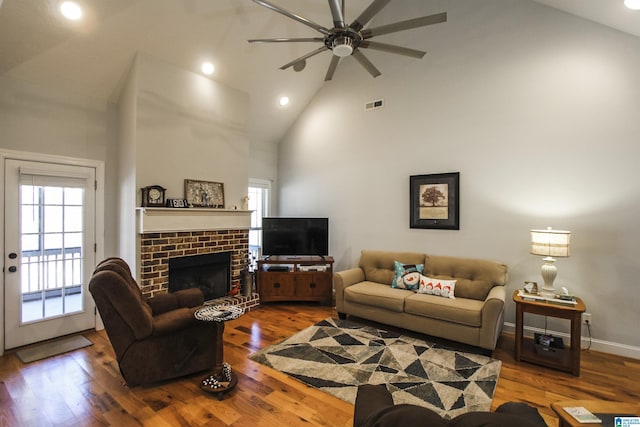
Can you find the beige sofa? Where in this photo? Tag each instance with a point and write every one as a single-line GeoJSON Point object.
{"type": "Point", "coordinates": [474, 317]}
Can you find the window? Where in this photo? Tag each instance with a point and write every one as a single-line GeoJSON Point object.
{"type": "Point", "coordinates": [259, 192]}
{"type": "Point", "coordinates": [52, 234]}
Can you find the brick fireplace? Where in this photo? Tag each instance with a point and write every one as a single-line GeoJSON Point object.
{"type": "Point", "coordinates": [172, 233]}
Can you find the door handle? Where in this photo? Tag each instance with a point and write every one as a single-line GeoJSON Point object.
{"type": "Point", "coordinates": [13, 255]}
{"type": "Point", "coordinates": [13, 269]}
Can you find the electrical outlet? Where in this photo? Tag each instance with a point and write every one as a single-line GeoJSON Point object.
{"type": "Point", "coordinates": [586, 318]}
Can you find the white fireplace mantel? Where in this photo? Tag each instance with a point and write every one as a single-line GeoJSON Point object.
{"type": "Point", "coordinates": [160, 220]}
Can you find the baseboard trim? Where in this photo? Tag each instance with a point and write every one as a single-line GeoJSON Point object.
{"type": "Point", "coordinates": [596, 345]}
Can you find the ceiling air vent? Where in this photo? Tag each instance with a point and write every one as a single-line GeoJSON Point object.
{"type": "Point", "coordinates": [374, 105]}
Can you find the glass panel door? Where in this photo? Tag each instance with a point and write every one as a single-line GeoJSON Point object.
{"type": "Point", "coordinates": [50, 250]}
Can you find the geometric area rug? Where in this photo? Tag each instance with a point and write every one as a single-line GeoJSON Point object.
{"type": "Point", "coordinates": [337, 356]}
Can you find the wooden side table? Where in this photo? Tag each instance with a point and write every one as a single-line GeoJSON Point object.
{"type": "Point", "coordinates": [565, 360]}
{"type": "Point", "coordinates": [222, 379]}
{"type": "Point", "coordinates": [595, 407]}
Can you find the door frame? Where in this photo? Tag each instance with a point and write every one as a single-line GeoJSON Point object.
{"type": "Point", "coordinates": [99, 208]}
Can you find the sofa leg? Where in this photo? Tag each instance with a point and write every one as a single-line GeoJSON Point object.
{"type": "Point", "coordinates": [342, 316]}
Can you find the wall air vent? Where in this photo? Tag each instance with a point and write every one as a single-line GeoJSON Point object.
{"type": "Point", "coordinates": [374, 105]}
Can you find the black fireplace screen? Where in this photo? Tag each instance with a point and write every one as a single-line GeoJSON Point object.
{"type": "Point", "coordinates": [209, 272]}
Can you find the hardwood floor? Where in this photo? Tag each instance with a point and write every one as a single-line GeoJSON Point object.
{"type": "Point", "coordinates": [84, 387]}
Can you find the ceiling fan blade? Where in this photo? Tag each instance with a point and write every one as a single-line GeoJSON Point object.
{"type": "Point", "coordinates": [366, 63]}
{"type": "Point", "coordinates": [332, 67]}
{"type": "Point", "coordinates": [304, 57]}
{"type": "Point", "coordinates": [336, 13]}
{"type": "Point", "coordinates": [293, 16]}
{"type": "Point", "coordinates": [392, 49]}
{"type": "Point", "coordinates": [368, 14]}
{"type": "Point", "coordinates": [308, 39]}
{"type": "Point", "coordinates": [405, 25]}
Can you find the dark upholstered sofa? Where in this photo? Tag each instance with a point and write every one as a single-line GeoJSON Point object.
{"type": "Point", "coordinates": [154, 339]}
{"type": "Point", "coordinates": [374, 407]}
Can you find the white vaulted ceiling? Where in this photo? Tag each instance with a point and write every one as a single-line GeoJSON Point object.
{"type": "Point", "coordinates": [91, 57]}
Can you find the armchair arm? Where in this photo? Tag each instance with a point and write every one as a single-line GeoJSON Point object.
{"type": "Point", "coordinates": [189, 297]}
{"type": "Point", "coordinates": [172, 321]}
{"type": "Point", "coordinates": [184, 298]}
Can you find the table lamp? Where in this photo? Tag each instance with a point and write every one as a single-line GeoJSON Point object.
{"type": "Point", "coordinates": [549, 243]}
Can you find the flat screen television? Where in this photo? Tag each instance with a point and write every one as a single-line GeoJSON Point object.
{"type": "Point", "coordinates": [295, 236]}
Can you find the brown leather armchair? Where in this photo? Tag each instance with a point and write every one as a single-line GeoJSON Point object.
{"type": "Point", "coordinates": [154, 339]}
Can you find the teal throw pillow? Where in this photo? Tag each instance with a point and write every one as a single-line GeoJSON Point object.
{"type": "Point", "coordinates": [407, 276]}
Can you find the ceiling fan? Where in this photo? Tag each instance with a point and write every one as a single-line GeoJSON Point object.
{"type": "Point", "coordinates": [344, 40]}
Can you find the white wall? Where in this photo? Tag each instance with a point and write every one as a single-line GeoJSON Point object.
{"type": "Point", "coordinates": [46, 120]}
{"type": "Point", "coordinates": [126, 167]}
{"type": "Point", "coordinates": [538, 111]}
{"type": "Point", "coordinates": [190, 127]}
{"type": "Point", "coordinates": [177, 125]}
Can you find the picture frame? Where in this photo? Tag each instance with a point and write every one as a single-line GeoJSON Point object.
{"type": "Point", "coordinates": [204, 194]}
{"type": "Point", "coordinates": [435, 201]}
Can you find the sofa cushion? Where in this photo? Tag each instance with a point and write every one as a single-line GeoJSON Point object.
{"type": "Point", "coordinates": [474, 277]}
{"type": "Point", "coordinates": [378, 266]}
{"type": "Point", "coordinates": [407, 276]}
{"type": "Point", "coordinates": [377, 295]}
{"type": "Point", "coordinates": [472, 289]}
{"type": "Point", "coordinates": [460, 310]}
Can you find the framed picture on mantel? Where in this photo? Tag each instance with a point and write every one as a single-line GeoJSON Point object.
{"type": "Point", "coordinates": [204, 194]}
{"type": "Point", "coordinates": [435, 201]}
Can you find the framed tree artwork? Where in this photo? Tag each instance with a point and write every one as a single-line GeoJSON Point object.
{"type": "Point", "coordinates": [435, 201]}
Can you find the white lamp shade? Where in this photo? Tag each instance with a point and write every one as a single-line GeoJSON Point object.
{"type": "Point", "coordinates": [550, 243]}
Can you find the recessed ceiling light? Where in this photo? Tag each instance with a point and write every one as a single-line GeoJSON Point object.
{"type": "Point", "coordinates": [632, 4]}
{"type": "Point", "coordinates": [71, 10]}
{"type": "Point", "coordinates": [284, 101]}
{"type": "Point", "coordinates": [208, 68]}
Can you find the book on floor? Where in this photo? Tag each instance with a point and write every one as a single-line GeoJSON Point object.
{"type": "Point", "coordinates": [582, 414]}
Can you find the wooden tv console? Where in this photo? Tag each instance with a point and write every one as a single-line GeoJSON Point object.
{"type": "Point", "coordinates": [295, 278]}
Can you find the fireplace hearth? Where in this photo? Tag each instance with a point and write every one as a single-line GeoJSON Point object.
{"type": "Point", "coordinates": [157, 247]}
{"type": "Point", "coordinates": [210, 272]}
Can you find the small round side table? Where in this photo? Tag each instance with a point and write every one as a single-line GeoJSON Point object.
{"type": "Point", "coordinates": [221, 379]}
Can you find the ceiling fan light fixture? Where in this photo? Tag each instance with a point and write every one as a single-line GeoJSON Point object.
{"type": "Point", "coordinates": [342, 46]}
{"type": "Point", "coordinates": [350, 39]}
{"type": "Point", "coordinates": [299, 66]}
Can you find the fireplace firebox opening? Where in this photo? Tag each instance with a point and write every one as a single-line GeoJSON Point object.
{"type": "Point", "coordinates": [209, 272]}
